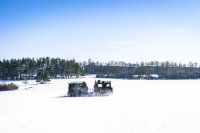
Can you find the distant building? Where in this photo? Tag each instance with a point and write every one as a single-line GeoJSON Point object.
{"type": "Point", "coordinates": [154, 76]}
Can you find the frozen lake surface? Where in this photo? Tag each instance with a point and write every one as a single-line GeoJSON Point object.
{"type": "Point", "coordinates": [136, 106]}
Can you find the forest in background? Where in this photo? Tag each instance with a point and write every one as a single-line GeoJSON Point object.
{"type": "Point", "coordinates": [143, 70]}
{"type": "Point", "coordinates": [46, 68]}
{"type": "Point", "coordinates": [40, 69]}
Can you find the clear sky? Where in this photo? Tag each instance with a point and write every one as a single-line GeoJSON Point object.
{"type": "Point", "coordinates": [103, 30]}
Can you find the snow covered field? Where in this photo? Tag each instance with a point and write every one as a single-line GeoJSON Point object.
{"type": "Point", "coordinates": [136, 106]}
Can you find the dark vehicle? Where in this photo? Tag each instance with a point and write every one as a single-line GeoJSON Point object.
{"type": "Point", "coordinates": [102, 87]}
{"type": "Point", "coordinates": [77, 89]}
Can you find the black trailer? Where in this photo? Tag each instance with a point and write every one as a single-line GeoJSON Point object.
{"type": "Point", "coordinates": [77, 89]}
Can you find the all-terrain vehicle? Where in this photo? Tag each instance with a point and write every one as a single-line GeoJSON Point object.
{"type": "Point", "coordinates": [102, 87]}
{"type": "Point", "coordinates": [80, 89]}
{"type": "Point", "coordinates": [77, 89]}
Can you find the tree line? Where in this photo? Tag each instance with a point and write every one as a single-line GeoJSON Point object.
{"type": "Point", "coordinates": [40, 68]}
{"type": "Point", "coordinates": [45, 68]}
{"type": "Point", "coordinates": [143, 70]}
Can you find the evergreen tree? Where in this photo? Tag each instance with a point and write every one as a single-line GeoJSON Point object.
{"type": "Point", "coordinates": [1, 70]}
{"type": "Point", "coordinates": [39, 76]}
{"type": "Point", "coordinates": [46, 76]}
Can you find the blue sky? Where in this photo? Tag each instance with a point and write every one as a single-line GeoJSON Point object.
{"type": "Point", "coordinates": [104, 30]}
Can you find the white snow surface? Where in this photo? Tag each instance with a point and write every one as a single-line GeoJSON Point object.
{"type": "Point", "coordinates": [136, 106]}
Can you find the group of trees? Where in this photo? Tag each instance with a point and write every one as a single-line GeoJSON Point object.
{"type": "Point", "coordinates": [164, 70]}
{"type": "Point", "coordinates": [8, 87]}
{"type": "Point", "coordinates": [39, 69]}
{"type": "Point", "coordinates": [42, 69]}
